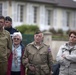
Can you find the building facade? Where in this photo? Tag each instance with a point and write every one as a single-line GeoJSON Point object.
{"type": "Point", "coordinates": [47, 14]}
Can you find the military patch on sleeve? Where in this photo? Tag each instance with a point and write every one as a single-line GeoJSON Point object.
{"type": "Point", "coordinates": [49, 49]}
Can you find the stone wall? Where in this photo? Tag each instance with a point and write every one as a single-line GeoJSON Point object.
{"type": "Point", "coordinates": [54, 45]}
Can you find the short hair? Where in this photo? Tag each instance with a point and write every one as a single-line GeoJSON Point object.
{"type": "Point", "coordinates": [17, 33]}
{"type": "Point", "coordinates": [2, 17]}
{"type": "Point", "coordinates": [7, 18]}
{"type": "Point", "coordinates": [37, 32]}
{"type": "Point", "coordinates": [72, 32]}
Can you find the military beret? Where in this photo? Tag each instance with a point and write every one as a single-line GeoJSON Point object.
{"type": "Point", "coordinates": [7, 18]}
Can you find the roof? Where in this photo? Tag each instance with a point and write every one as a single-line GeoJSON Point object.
{"type": "Point", "coordinates": [66, 3]}
{"type": "Point", "coordinates": [43, 1]}
{"type": "Point", "coordinates": [60, 3]}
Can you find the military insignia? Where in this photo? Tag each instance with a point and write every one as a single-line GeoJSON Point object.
{"type": "Point", "coordinates": [49, 49]}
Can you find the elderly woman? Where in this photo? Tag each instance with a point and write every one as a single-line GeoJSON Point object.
{"type": "Point", "coordinates": [15, 66]}
{"type": "Point", "coordinates": [66, 56]}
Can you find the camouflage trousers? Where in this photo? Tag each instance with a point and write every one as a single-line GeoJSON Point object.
{"type": "Point", "coordinates": [37, 72]}
{"type": "Point", "coordinates": [3, 68]}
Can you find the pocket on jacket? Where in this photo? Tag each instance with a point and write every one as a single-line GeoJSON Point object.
{"type": "Point", "coordinates": [45, 69]}
{"type": "Point", "coordinates": [62, 68]}
{"type": "Point", "coordinates": [43, 57]}
{"type": "Point", "coordinates": [30, 56]}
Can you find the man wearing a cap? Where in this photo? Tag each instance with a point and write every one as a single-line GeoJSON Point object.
{"type": "Point", "coordinates": [8, 25]}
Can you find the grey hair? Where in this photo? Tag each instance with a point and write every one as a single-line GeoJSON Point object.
{"type": "Point", "coordinates": [17, 33]}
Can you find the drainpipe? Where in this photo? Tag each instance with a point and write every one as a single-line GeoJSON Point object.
{"type": "Point", "coordinates": [10, 2]}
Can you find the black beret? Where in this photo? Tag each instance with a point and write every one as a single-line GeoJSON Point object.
{"type": "Point", "coordinates": [7, 18]}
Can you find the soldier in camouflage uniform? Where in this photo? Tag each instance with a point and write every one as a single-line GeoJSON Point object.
{"type": "Point", "coordinates": [5, 47]}
{"type": "Point", "coordinates": [37, 57]}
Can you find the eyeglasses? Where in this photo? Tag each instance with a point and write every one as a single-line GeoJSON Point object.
{"type": "Point", "coordinates": [16, 38]}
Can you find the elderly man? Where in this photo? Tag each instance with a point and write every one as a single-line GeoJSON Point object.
{"type": "Point", "coordinates": [5, 47]}
{"type": "Point", "coordinates": [37, 57]}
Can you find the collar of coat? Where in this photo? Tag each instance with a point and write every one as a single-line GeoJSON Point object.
{"type": "Point", "coordinates": [34, 44]}
{"type": "Point", "coordinates": [67, 47]}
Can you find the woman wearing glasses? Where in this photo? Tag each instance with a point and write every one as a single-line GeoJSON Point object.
{"type": "Point", "coordinates": [66, 56]}
{"type": "Point", "coordinates": [15, 66]}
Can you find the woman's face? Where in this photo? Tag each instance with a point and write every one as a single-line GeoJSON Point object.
{"type": "Point", "coordinates": [72, 39]}
{"type": "Point", "coordinates": [16, 40]}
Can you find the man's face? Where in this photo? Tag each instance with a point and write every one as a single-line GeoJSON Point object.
{"type": "Point", "coordinates": [1, 23]}
{"type": "Point", "coordinates": [7, 24]}
{"type": "Point", "coordinates": [38, 37]}
{"type": "Point", "coordinates": [72, 39]}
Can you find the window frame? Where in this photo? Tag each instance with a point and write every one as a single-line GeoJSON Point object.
{"type": "Point", "coordinates": [20, 18]}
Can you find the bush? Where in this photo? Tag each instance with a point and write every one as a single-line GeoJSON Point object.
{"type": "Point", "coordinates": [60, 31]}
{"type": "Point", "coordinates": [68, 31]}
{"type": "Point", "coordinates": [28, 29]}
{"type": "Point", "coordinates": [21, 28]}
{"type": "Point", "coordinates": [53, 31]}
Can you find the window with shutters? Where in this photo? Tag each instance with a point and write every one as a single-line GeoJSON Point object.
{"type": "Point", "coordinates": [35, 13]}
{"type": "Point", "coordinates": [68, 18]}
{"type": "Point", "coordinates": [49, 17]}
{"type": "Point", "coordinates": [0, 9]}
{"type": "Point", "coordinates": [20, 13]}
{"type": "Point", "coordinates": [74, 20]}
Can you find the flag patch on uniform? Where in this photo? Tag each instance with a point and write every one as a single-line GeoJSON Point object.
{"type": "Point", "coordinates": [49, 49]}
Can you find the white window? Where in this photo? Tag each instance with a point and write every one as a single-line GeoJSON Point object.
{"type": "Point", "coordinates": [68, 18]}
{"type": "Point", "coordinates": [20, 13]}
{"type": "Point", "coordinates": [35, 13]}
{"type": "Point", "coordinates": [74, 19]}
{"type": "Point", "coordinates": [48, 16]}
{"type": "Point", "coordinates": [0, 8]}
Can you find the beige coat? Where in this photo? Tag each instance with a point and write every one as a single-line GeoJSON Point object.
{"type": "Point", "coordinates": [5, 45]}
{"type": "Point", "coordinates": [5, 49]}
{"type": "Point", "coordinates": [40, 57]}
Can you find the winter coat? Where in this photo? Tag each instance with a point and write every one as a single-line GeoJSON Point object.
{"type": "Point", "coordinates": [67, 64]}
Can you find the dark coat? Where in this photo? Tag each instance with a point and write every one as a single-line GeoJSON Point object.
{"type": "Point", "coordinates": [11, 30]}
{"type": "Point", "coordinates": [55, 69]}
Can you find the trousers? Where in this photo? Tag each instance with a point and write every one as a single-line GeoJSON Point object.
{"type": "Point", "coordinates": [3, 68]}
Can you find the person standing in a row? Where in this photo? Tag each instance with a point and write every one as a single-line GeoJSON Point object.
{"type": "Point", "coordinates": [8, 25]}
{"type": "Point", "coordinates": [37, 57]}
{"type": "Point", "coordinates": [15, 66]}
{"type": "Point", "coordinates": [66, 56]}
{"type": "Point", "coordinates": [5, 47]}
